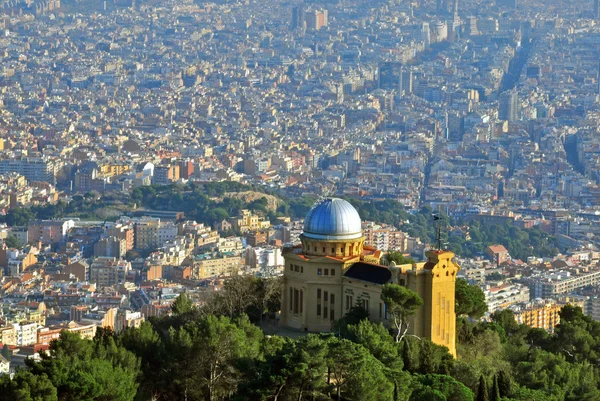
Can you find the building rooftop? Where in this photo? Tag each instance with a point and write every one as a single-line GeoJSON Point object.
{"type": "Point", "coordinates": [333, 219]}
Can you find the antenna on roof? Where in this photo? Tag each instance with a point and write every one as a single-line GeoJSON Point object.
{"type": "Point", "coordinates": [438, 221]}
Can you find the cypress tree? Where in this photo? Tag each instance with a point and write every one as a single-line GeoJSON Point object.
{"type": "Point", "coordinates": [407, 357]}
{"type": "Point", "coordinates": [495, 389]}
{"type": "Point", "coordinates": [504, 383]}
{"type": "Point", "coordinates": [482, 391]}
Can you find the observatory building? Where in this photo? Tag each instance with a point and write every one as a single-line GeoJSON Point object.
{"type": "Point", "coordinates": [333, 269]}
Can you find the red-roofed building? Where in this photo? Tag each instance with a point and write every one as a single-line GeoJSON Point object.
{"type": "Point", "coordinates": [498, 254]}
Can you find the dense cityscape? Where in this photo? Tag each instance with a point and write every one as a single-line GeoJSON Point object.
{"type": "Point", "coordinates": [298, 200]}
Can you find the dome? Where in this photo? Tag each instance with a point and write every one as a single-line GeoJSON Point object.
{"type": "Point", "coordinates": [332, 219]}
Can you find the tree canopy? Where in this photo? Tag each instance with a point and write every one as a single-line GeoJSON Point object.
{"type": "Point", "coordinates": [400, 303]}
{"type": "Point", "coordinates": [203, 353]}
{"type": "Point", "coordinates": [470, 299]}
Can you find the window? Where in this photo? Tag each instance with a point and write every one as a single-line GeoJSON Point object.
{"type": "Point", "coordinates": [291, 299]}
{"type": "Point", "coordinates": [318, 302]}
{"type": "Point", "coordinates": [327, 272]}
{"type": "Point", "coordinates": [325, 312]}
{"type": "Point", "coordinates": [301, 269]}
{"type": "Point", "coordinates": [333, 272]}
{"type": "Point", "coordinates": [323, 249]}
{"type": "Point", "coordinates": [325, 296]}
{"type": "Point", "coordinates": [380, 310]}
{"type": "Point", "coordinates": [331, 315]}
{"type": "Point", "coordinates": [291, 267]}
{"type": "Point", "coordinates": [332, 299]}
{"type": "Point", "coordinates": [301, 300]}
{"type": "Point", "coordinates": [319, 272]}
{"type": "Point", "coordinates": [296, 300]}
{"type": "Point", "coordinates": [348, 302]}
{"type": "Point", "coordinates": [332, 250]}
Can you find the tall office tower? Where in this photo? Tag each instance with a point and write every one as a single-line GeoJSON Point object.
{"type": "Point", "coordinates": [471, 26]}
{"type": "Point", "coordinates": [596, 9]}
{"type": "Point", "coordinates": [297, 17]}
{"type": "Point", "coordinates": [316, 19]}
{"type": "Point", "coordinates": [406, 82]}
{"type": "Point", "coordinates": [426, 34]}
{"type": "Point", "coordinates": [389, 74]}
{"type": "Point", "coordinates": [440, 31]}
{"type": "Point", "coordinates": [455, 18]}
{"type": "Point", "coordinates": [508, 109]}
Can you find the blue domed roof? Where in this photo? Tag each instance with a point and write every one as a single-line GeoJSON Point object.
{"type": "Point", "coordinates": [332, 219]}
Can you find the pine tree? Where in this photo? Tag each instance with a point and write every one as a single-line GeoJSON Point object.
{"type": "Point", "coordinates": [482, 391]}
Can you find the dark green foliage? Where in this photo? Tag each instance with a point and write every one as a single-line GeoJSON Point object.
{"type": "Point", "coordinates": [26, 386]}
{"type": "Point", "coordinates": [377, 339]}
{"type": "Point", "coordinates": [427, 394]}
{"type": "Point", "coordinates": [521, 243]}
{"type": "Point", "coordinates": [354, 374]}
{"type": "Point", "coordinates": [410, 356]}
{"type": "Point", "coordinates": [401, 303]}
{"type": "Point", "coordinates": [470, 299]}
{"type": "Point", "coordinates": [398, 258]}
{"type": "Point", "coordinates": [85, 370]}
{"type": "Point", "coordinates": [182, 305]}
{"type": "Point", "coordinates": [6, 353]}
{"type": "Point", "coordinates": [12, 242]}
{"type": "Point", "coordinates": [495, 396]}
{"type": "Point", "coordinates": [354, 316]}
{"type": "Point", "coordinates": [441, 387]}
{"type": "Point", "coordinates": [482, 390]}
{"type": "Point", "coordinates": [214, 352]}
{"type": "Point", "coordinates": [504, 383]}
{"type": "Point", "coordinates": [18, 217]}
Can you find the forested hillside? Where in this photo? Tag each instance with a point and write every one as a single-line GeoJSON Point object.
{"type": "Point", "coordinates": [216, 352]}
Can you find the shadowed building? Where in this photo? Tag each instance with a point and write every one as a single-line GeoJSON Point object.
{"type": "Point", "coordinates": [334, 270]}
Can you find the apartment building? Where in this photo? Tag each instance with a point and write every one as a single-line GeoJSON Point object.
{"type": "Point", "coordinates": [32, 168]}
{"type": "Point", "coordinates": [385, 237]}
{"type": "Point", "coordinates": [47, 334]}
{"type": "Point", "coordinates": [209, 265]}
{"type": "Point", "coordinates": [152, 233]}
{"type": "Point", "coordinates": [49, 231]}
{"type": "Point", "coordinates": [504, 295]}
{"type": "Point", "coordinates": [107, 271]}
{"type": "Point", "coordinates": [553, 283]}
{"type": "Point", "coordinates": [542, 314]}
{"type": "Point", "coordinates": [111, 246]}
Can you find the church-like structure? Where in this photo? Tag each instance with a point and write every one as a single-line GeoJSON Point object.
{"type": "Point", "coordinates": [333, 269]}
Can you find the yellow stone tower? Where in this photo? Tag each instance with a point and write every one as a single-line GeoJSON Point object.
{"type": "Point", "coordinates": [333, 270]}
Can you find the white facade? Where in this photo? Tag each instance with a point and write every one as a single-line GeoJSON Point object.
{"type": "Point", "coordinates": [505, 295]}
{"type": "Point", "coordinates": [26, 333]}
